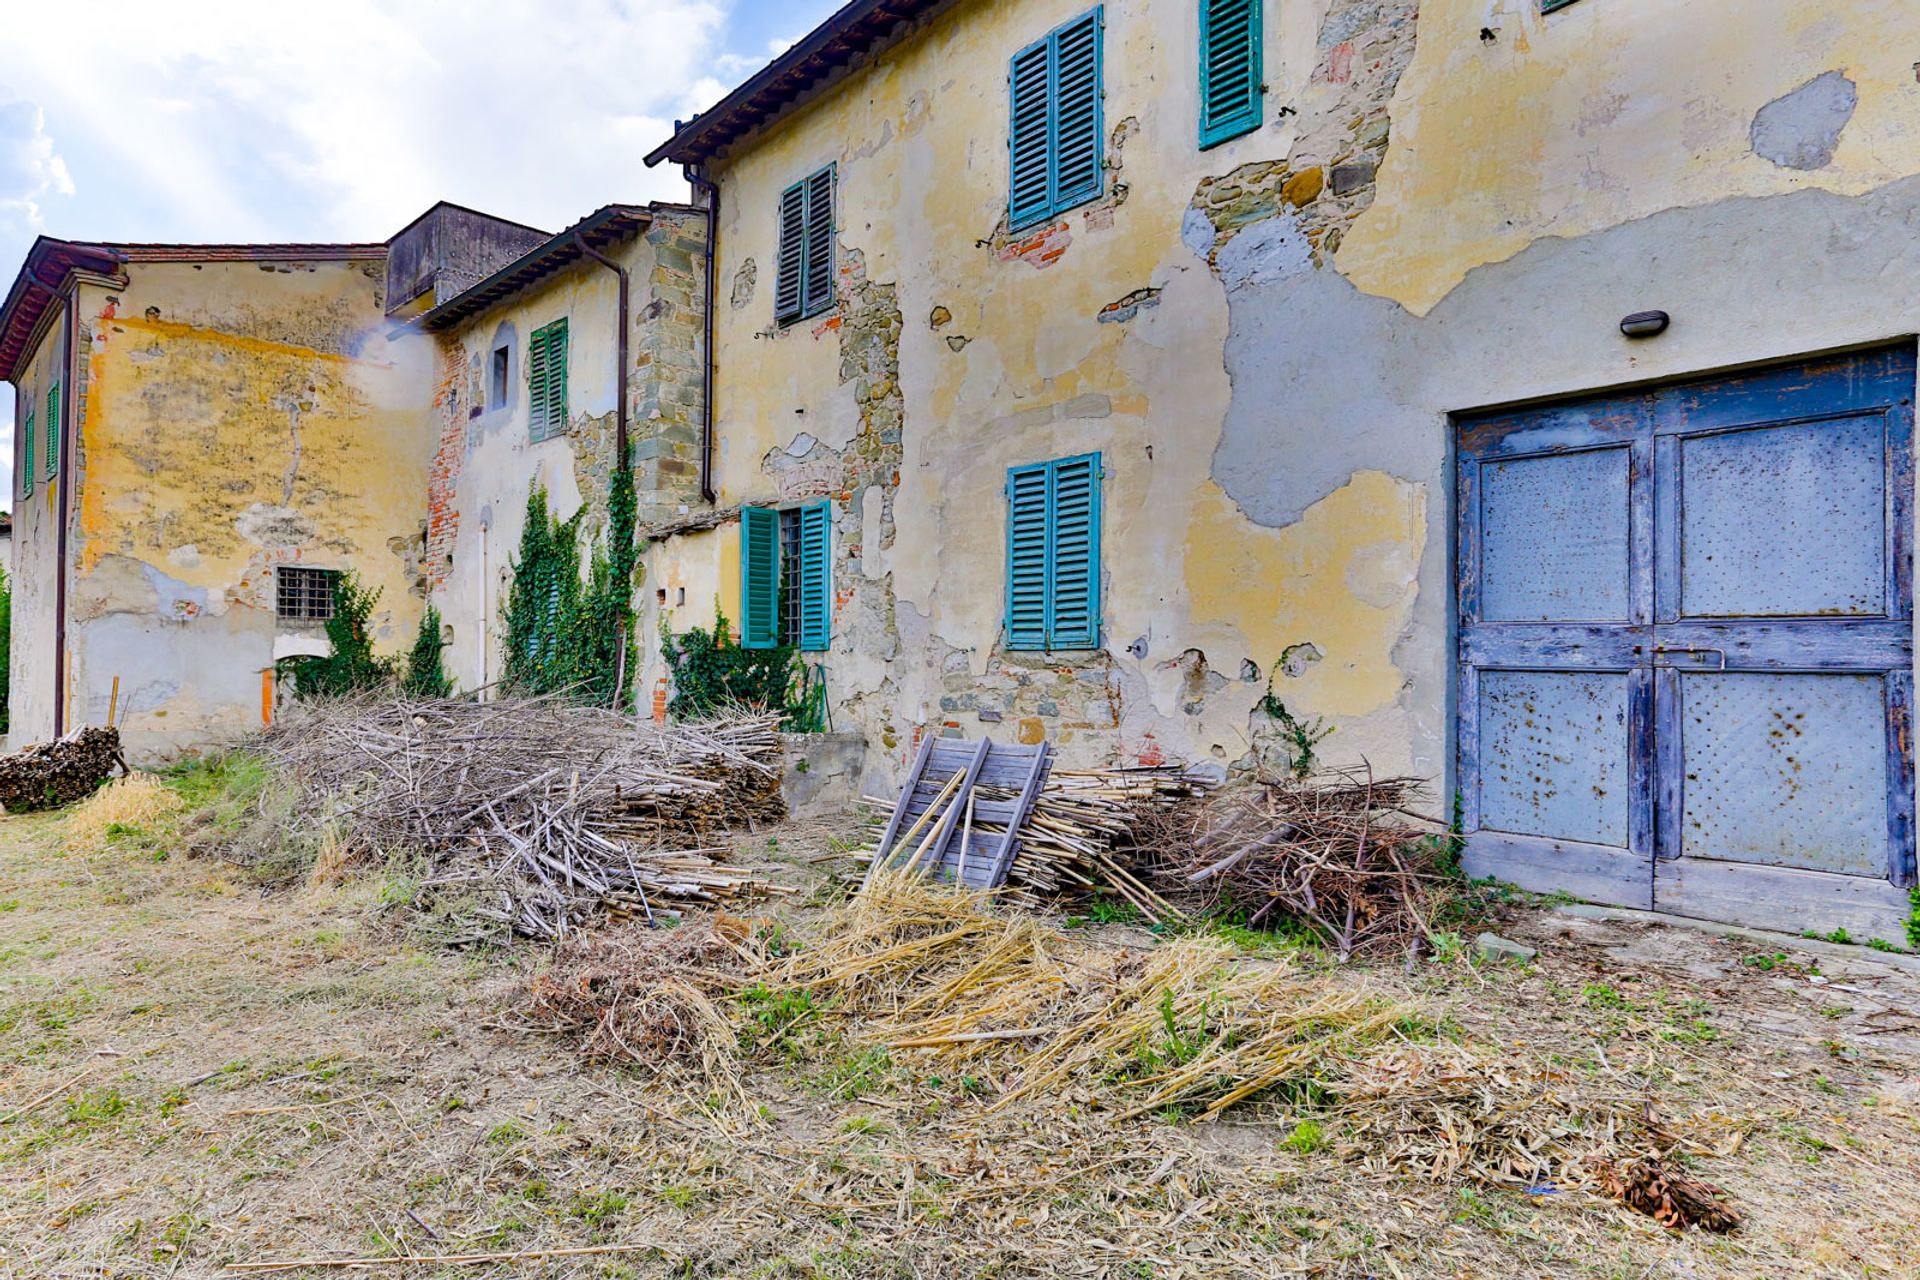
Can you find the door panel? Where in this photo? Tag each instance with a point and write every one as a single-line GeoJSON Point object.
{"type": "Point", "coordinates": [1685, 645]}
{"type": "Point", "coordinates": [1554, 532]}
{"type": "Point", "coordinates": [1785, 770]}
{"type": "Point", "coordinates": [1784, 521]}
{"type": "Point", "coordinates": [1557, 754]}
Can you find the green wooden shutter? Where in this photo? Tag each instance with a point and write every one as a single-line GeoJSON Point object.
{"type": "Point", "coordinates": [1073, 553]}
{"type": "Point", "coordinates": [53, 431]}
{"type": "Point", "coordinates": [1027, 559]}
{"type": "Point", "coordinates": [1078, 166]}
{"type": "Point", "coordinates": [1230, 69]}
{"type": "Point", "coordinates": [26, 459]}
{"type": "Point", "coordinates": [557, 378]}
{"type": "Point", "coordinates": [759, 578]}
{"type": "Point", "coordinates": [537, 385]}
{"type": "Point", "coordinates": [788, 278]}
{"type": "Point", "coordinates": [1030, 94]}
{"type": "Point", "coordinates": [817, 277]}
{"type": "Point", "coordinates": [816, 577]}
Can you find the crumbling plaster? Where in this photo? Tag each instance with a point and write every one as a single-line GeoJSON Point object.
{"type": "Point", "coordinates": [238, 416]}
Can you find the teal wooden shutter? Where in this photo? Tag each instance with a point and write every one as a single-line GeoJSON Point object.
{"type": "Point", "coordinates": [537, 385]}
{"type": "Point", "coordinates": [787, 288]}
{"type": "Point", "coordinates": [1073, 597]}
{"type": "Point", "coordinates": [1230, 69]}
{"type": "Point", "coordinates": [1027, 560]}
{"type": "Point", "coordinates": [1030, 94]}
{"type": "Point", "coordinates": [1078, 161]}
{"type": "Point", "coordinates": [557, 378]}
{"type": "Point", "coordinates": [816, 577]}
{"type": "Point", "coordinates": [26, 459]}
{"type": "Point", "coordinates": [759, 578]}
{"type": "Point", "coordinates": [817, 282]}
{"type": "Point", "coordinates": [1054, 150]}
{"type": "Point", "coordinates": [53, 431]}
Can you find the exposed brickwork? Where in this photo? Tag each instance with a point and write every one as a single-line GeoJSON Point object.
{"type": "Point", "coordinates": [443, 473]}
{"type": "Point", "coordinates": [1328, 179]}
{"type": "Point", "coordinates": [667, 379]}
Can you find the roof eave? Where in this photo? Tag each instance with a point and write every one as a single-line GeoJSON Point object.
{"type": "Point", "coordinates": [614, 222]}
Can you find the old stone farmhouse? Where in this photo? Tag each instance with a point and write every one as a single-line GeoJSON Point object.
{"type": "Point", "coordinates": [1521, 387]}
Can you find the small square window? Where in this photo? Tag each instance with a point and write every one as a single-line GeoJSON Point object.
{"type": "Point", "coordinates": [497, 379]}
{"type": "Point", "coordinates": [303, 594]}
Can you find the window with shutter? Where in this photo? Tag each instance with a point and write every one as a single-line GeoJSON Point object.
{"type": "Point", "coordinates": [1055, 157]}
{"type": "Point", "coordinates": [53, 431]}
{"type": "Point", "coordinates": [26, 458]}
{"type": "Point", "coordinates": [1230, 69]}
{"type": "Point", "coordinates": [759, 577]}
{"type": "Point", "coordinates": [803, 283]}
{"type": "Point", "coordinates": [1053, 554]}
{"type": "Point", "coordinates": [547, 382]}
{"type": "Point", "coordinates": [1548, 6]}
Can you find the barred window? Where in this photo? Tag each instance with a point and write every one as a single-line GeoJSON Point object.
{"type": "Point", "coordinates": [303, 594]}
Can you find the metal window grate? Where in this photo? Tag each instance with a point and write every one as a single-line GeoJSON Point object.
{"type": "Point", "coordinates": [790, 577]}
{"type": "Point", "coordinates": [303, 594]}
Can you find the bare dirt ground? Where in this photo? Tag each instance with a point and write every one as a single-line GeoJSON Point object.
{"type": "Point", "coordinates": [194, 1072]}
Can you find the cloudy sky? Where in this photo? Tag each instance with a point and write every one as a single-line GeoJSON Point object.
{"type": "Point", "coordinates": [221, 121]}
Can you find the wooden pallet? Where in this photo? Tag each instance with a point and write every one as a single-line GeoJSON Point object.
{"type": "Point", "coordinates": [948, 771]}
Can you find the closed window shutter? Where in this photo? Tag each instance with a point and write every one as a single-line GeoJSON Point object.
{"type": "Point", "coordinates": [557, 378]}
{"type": "Point", "coordinates": [759, 578]}
{"type": "Point", "coordinates": [53, 432]}
{"type": "Point", "coordinates": [787, 289]}
{"type": "Point", "coordinates": [1230, 86]}
{"type": "Point", "coordinates": [1028, 493]}
{"type": "Point", "coordinates": [537, 385]}
{"type": "Point", "coordinates": [26, 459]}
{"type": "Point", "coordinates": [818, 287]}
{"type": "Point", "coordinates": [816, 578]}
{"type": "Point", "coordinates": [1073, 604]}
{"type": "Point", "coordinates": [1029, 129]}
{"type": "Point", "coordinates": [1076, 112]}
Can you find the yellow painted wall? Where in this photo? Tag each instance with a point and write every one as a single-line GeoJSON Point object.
{"type": "Point", "coordinates": [240, 416]}
{"type": "Point", "coordinates": [1612, 110]}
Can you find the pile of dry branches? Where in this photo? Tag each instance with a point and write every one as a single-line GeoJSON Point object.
{"type": "Point", "coordinates": [548, 812]}
{"type": "Point", "coordinates": [47, 775]}
{"type": "Point", "coordinates": [1341, 852]}
{"type": "Point", "coordinates": [659, 1000]}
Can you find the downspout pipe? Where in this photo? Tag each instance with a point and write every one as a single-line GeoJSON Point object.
{"type": "Point", "coordinates": [711, 191]}
{"type": "Point", "coordinates": [620, 381]}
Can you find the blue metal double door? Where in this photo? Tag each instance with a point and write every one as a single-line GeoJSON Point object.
{"type": "Point", "coordinates": [1685, 661]}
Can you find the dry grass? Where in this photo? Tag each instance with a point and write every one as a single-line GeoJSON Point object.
{"type": "Point", "coordinates": [138, 801]}
{"type": "Point", "coordinates": [281, 1075]}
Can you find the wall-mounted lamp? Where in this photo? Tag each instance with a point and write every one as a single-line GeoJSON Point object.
{"type": "Point", "coordinates": [1645, 324]}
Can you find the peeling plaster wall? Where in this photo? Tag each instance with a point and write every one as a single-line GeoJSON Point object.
{"type": "Point", "coordinates": [1265, 340]}
{"type": "Point", "coordinates": [32, 692]}
{"type": "Point", "coordinates": [239, 416]}
{"type": "Point", "coordinates": [485, 461]}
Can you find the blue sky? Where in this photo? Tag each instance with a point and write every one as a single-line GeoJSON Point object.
{"type": "Point", "coordinates": [229, 120]}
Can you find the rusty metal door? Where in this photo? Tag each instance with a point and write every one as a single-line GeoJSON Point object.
{"type": "Point", "coordinates": [1686, 646]}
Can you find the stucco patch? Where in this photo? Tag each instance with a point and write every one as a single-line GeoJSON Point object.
{"type": "Point", "coordinates": [1267, 251]}
{"type": "Point", "coordinates": [274, 526]}
{"type": "Point", "coordinates": [1800, 130]}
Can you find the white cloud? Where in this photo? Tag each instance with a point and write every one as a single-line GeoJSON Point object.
{"type": "Point", "coordinates": [344, 121]}
{"type": "Point", "coordinates": [31, 169]}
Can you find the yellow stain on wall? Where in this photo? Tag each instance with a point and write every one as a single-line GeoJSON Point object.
{"type": "Point", "coordinates": [1609, 111]}
{"type": "Point", "coordinates": [1340, 578]}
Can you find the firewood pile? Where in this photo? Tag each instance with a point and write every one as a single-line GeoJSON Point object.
{"type": "Point", "coordinates": [546, 813]}
{"type": "Point", "coordinates": [1342, 852]}
{"type": "Point", "coordinates": [48, 775]}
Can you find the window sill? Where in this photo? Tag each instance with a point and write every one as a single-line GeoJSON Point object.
{"type": "Point", "coordinates": [1016, 228]}
{"type": "Point", "coordinates": [805, 316]}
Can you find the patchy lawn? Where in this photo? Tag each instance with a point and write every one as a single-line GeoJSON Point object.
{"type": "Point", "coordinates": [195, 1072]}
